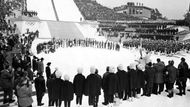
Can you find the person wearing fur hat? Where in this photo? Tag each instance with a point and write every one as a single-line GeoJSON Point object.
{"type": "Point", "coordinates": [67, 92]}
{"type": "Point", "coordinates": [140, 78]}
{"type": "Point", "coordinates": [48, 70]}
{"type": "Point", "coordinates": [149, 79]}
{"type": "Point", "coordinates": [57, 88]}
{"type": "Point", "coordinates": [78, 83]}
{"type": "Point", "coordinates": [159, 77]}
{"type": "Point", "coordinates": [172, 73]}
{"type": "Point", "coordinates": [104, 87]}
{"type": "Point", "coordinates": [121, 74]}
{"type": "Point", "coordinates": [24, 93]}
{"type": "Point", "coordinates": [111, 84]}
{"type": "Point", "coordinates": [40, 88]}
{"type": "Point", "coordinates": [92, 86]}
{"type": "Point", "coordinates": [133, 80]}
{"type": "Point", "coordinates": [182, 78]}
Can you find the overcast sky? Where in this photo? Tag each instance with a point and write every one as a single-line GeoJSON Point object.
{"type": "Point", "coordinates": [172, 9]}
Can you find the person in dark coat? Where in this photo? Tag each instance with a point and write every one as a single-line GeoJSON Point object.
{"type": "Point", "coordinates": [99, 90]}
{"type": "Point", "coordinates": [182, 78]}
{"type": "Point", "coordinates": [121, 75]}
{"type": "Point", "coordinates": [48, 70]}
{"type": "Point", "coordinates": [7, 85]}
{"type": "Point", "coordinates": [172, 73]}
{"type": "Point", "coordinates": [68, 91]}
{"type": "Point", "coordinates": [34, 63]}
{"type": "Point", "coordinates": [159, 77]}
{"type": "Point", "coordinates": [57, 87]}
{"type": "Point", "coordinates": [140, 78]}
{"type": "Point", "coordinates": [111, 84]}
{"type": "Point", "coordinates": [49, 84]}
{"type": "Point", "coordinates": [149, 79]}
{"type": "Point", "coordinates": [78, 83]}
{"type": "Point", "coordinates": [92, 85]}
{"type": "Point", "coordinates": [40, 88]}
{"type": "Point", "coordinates": [127, 87]}
{"type": "Point", "coordinates": [41, 66]}
{"type": "Point", "coordinates": [132, 80]}
{"type": "Point", "coordinates": [104, 87]}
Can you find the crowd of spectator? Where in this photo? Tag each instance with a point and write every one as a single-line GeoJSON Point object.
{"type": "Point", "coordinates": [91, 10]}
{"type": "Point", "coordinates": [52, 45]}
{"type": "Point", "coordinates": [29, 13]}
{"type": "Point", "coordinates": [163, 46]}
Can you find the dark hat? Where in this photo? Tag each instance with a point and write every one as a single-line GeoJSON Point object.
{"type": "Point", "coordinates": [49, 63]}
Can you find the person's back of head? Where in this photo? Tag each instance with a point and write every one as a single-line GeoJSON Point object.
{"type": "Point", "coordinates": [182, 59]}
{"type": "Point", "coordinates": [158, 60]}
{"type": "Point", "coordinates": [107, 69]}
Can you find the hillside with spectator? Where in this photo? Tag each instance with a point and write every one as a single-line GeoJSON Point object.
{"type": "Point", "coordinates": [91, 10]}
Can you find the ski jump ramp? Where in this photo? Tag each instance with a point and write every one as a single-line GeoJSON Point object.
{"type": "Point", "coordinates": [61, 16]}
{"type": "Point", "coordinates": [66, 10]}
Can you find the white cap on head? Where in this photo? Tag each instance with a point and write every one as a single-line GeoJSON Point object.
{"type": "Point", "coordinates": [120, 67]}
{"type": "Point", "coordinates": [112, 69]}
{"type": "Point", "coordinates": [58, 74]}
{"type": "Point", "coordinates": [92, 70]}
{"type": "Point", "coordinates": [140, 67]}
{"type": "Point", "coordinates": [66, 77]}
{"type": "Point", "coordinates": [132, 66]}
{"type": "Point", "coordinates": [80, 70]}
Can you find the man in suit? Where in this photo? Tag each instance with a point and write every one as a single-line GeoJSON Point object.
{"type": "Point", "coordinates": [40, 88]}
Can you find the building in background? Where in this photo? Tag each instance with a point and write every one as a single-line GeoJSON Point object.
{"type": "Point", "coordinates": [137, 10]}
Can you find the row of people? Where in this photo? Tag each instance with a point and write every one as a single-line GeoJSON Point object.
{"type": "Point", "coordinates": [122, 84]}
{"type": "Point", "coordinates": [51, 46]}
{"type": "Point", "coordinates": [158, 45]}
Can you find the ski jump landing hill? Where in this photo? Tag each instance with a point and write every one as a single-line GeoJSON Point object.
{"type": "Point", "coordinates": [58, 19]}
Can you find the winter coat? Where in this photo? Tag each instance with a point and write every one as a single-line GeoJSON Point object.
{"type": "Point", "coordinates": [132, 78]}
{"type": "Point", "coordinates": [24, 95]}
{"type": "Point", "coordinates": [56, 88]}
{"type": "Point", "coordinates": [40, 85]}
{"type": "Point", "coordinates": [34, 65]}
{"type": "Point", "coordinates": [40, 67]}
{"type": "Point", "coordinates": [104, 87]}
{"type": "Point", "coordinates": [48, 72]}
{"type": "Point", "coordinates": [121, 75]}
{"type": "Point", "coordinates": [100, 84]}
{"type": "Point", "coordinates": [111, 84]}
{"type": "Point", "coordinates": [172, 73]}
{"type": "Point", "coordinates": [30, 74]}
{"type": "Point", "coordinates": [50, 87]}
{"type": "Point", "coordinates": [127, 81]}
{"type": "Point", "coordinates": [140, 79]}
{"type": "Point", "coordinates": [159, 73]}
{"type": "Point", "coordinates": [183, 70]}
{"type": "Point", "coordinates": [149, 76]}
{"type": "Point", "coordinates": [67, 92]}
{"type": "Point", "coordinates": [78, 83]}
{"type": "Point", "coordinates": [92, 85]}
{"type": "Point", "coordinates": [6, 79]}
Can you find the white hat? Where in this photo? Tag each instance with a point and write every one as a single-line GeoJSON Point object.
{"type": "Point", "coordinates": [66, 77]}
{"type": "Point", "coordinates": [92, 70]}
{"type": "Point", "coordinates": [132, 66]}
{"type": "Point", "coordinates": [120, 67]}
{"type": "Point", "coordinates": [80, 70]}
{"type": "Point", "coordinates": [140, 67]}
{"type": "Point", "coordinates": [58, 74]}
{"type": "Point", "coordinates": [112, 69]}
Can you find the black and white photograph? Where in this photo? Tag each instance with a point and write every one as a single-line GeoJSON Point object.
{"type": "Point", "coordinates": [94, 53]}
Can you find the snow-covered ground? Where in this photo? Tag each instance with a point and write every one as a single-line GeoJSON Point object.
{"type": "Point", "coordinates": [69, 59]}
